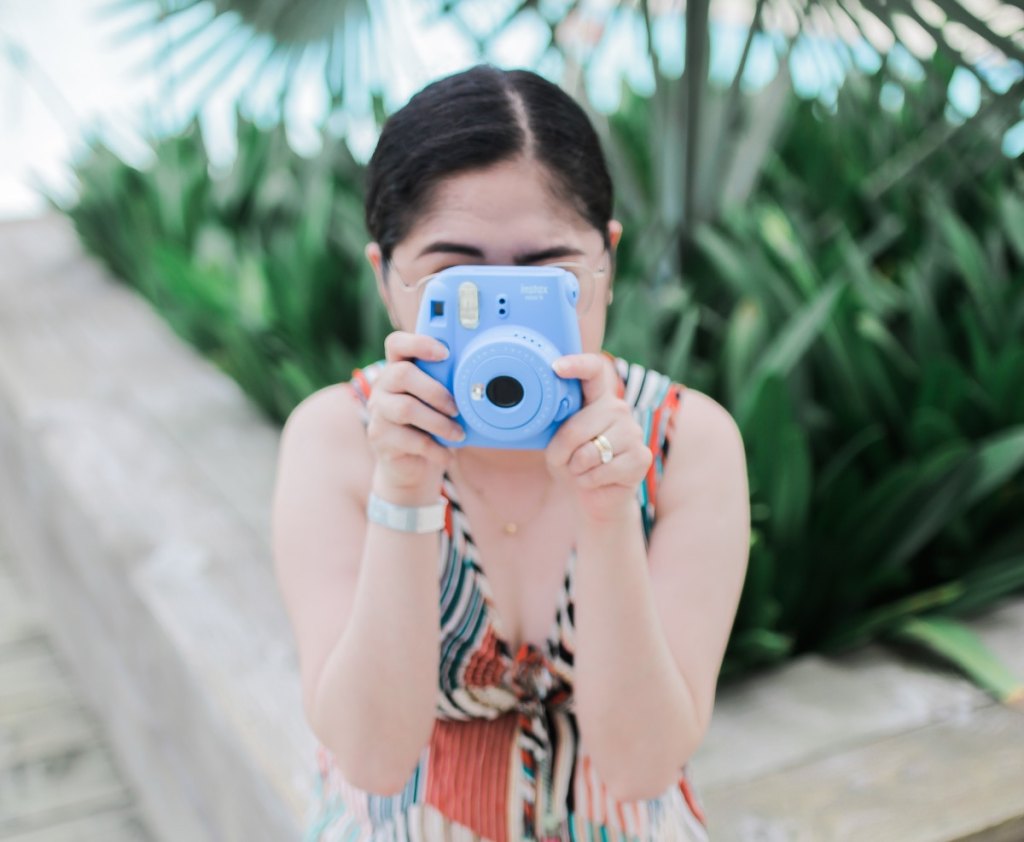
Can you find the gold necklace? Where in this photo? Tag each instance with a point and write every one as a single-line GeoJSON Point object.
{"type": "Point", "coordinates": [509, 527]}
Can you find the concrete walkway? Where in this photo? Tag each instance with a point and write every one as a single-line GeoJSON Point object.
{"type": "Point", "coordinates": [58, 779]}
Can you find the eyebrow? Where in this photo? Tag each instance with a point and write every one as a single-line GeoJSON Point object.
{"type": "Point", "coordinates": [442, 247]}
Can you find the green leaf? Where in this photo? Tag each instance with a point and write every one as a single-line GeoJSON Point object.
{"type": "Point", "coordinates": [745, 338]}
{"type": "Point", "coordinates": [726, 260]}
{"type": "Point", "coordinates": [778, 234]}
{"type": "Point", "coordinates": [875, 332]}
{"type": "Point", "coordinates": [990, 580]}
{"type": "Point", "coordinates": [677, 356]}
{"type": "Point", "coordinates": [960, 646]}
{"type": "Point", "coordinates": [999, 458]}
{"type": "Point", "coordinates": [934, 496]}
{"type": "Point", "coordinates": [630, 335]}
{"type": "Point", "coordinates": [973, 267]}
{"type": "Point", "coordinates": [759, 606]}
{"type": "Point", "coordinates": [1011, 210]}
{"type": "Point", "coordinates": [799, 333]}
{"type": "Point", "coordinates": [879, 620]}
{"type": "Point", "coordinates": [779, 461]}
{"type": "Point", "coordinates": [842, 460]}
{"type": "Point", "coordinates": [803, 328]}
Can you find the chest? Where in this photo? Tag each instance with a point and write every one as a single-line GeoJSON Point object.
{"type": "Point", "coordinates": [521, 577]}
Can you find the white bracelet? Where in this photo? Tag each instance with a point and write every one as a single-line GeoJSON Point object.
{"type": "Point", "coordinates": [406, 518]}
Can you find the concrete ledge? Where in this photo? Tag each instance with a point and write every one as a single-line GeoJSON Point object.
{"type": "Point", "coordinates": [868, 747]}
{"type": "Point", "coordinates": [135, 483]}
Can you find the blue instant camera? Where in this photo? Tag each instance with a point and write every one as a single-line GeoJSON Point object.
{"type": "Point", "coordinates": [504, 326]}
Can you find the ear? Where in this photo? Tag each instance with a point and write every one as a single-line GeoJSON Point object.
{"type": "Point", "coordinates": [614, 236]}
{"type": "Point", "coordinates": [614, 233]}
{"type": "Point", "coordinates": [375, 258]}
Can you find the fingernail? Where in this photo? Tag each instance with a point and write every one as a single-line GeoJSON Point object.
{"type": "Point", "coordinates": [459, 435]}
{"type": "Point", "coordinates": [441, 353]}
{"type": "Point", "coordinates": [558, 366]}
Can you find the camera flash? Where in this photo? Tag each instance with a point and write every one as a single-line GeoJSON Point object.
{"type": "Point", "coordinates": [469, 305]}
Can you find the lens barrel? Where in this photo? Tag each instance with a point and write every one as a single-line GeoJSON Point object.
{"type": "Point", "coordinates": [504, 391]}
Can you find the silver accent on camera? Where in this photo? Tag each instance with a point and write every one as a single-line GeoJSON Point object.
{"type": "Point", "coordinates": [469, 305]}
{"type": "Point", "coordinates": [476, 391]}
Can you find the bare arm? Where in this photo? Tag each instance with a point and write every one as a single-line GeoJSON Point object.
{"type": "Point", "coordinates": [363, 600]}
{"type": "Point", "coordinates": [652, 625]}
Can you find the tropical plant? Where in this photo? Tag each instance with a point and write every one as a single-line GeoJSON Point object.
{"type": "Point", "coordinates": [710, 142]}
{"type": "Point", "coordinates": [870, 343]}
{"type": "Point", "coordinates": [261, 267]}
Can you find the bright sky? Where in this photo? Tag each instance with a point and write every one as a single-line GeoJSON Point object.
{"type": "Point", "coordinates": [64, 72]}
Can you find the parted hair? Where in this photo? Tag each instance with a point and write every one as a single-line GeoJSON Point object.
{"type": "Point", "coordinates": [474, 119]}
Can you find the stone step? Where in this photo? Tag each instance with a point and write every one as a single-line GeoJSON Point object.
{"type": "Point", "coordinates": [112, 825]}
{"type": "Point", "coordinates": [58, 779]}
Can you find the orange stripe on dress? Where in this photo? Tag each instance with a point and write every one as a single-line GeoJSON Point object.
{"type": "Point", "coordinates": [468, 773]}
{"type": "Point", "coordinates": [586, 787]}
{"type": "Point", "coordinates": [448, 525]}
{"type": "Point", "coordinates": [668, 407]}
{"type": "Point", "coordinates": [485, 667]}
{"type": "Point", "coordinates": [652, 471]}
{"type": "Point", "coordinates": [621, 815]}
{"type": "Point", "coordinates": [640, 828]}
{"type": "Point", "coordinates": [674, 398]}
{"type": "Point", "coordinates": [691, 800]}
{"type": "Point", "coordinates": [364, 384]}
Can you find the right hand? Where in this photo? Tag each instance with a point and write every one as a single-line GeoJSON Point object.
{"type": "Point", "coordinates": [405, 406]}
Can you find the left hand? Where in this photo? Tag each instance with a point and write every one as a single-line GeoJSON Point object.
{"type": "Point", "coordinates": [604, 491]}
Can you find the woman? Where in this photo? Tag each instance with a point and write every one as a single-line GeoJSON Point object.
{"type": "Point", "coordinates": [539, 660]}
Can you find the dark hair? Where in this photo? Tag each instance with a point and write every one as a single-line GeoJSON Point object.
{"type": "Point", "coordinates": [474, 119]}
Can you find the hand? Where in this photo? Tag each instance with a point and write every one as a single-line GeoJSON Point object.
{"type": "Point", "coordinates": [604, 491]}
{"type": "Point", "coordinates": [405, 406]}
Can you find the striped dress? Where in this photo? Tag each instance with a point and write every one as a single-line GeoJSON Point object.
{"type": "Point", "coordinates": [505, 761]}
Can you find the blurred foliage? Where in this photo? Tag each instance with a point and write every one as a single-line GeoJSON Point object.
{"type": "Point", "coordinates": [260, 267]}
{"type": "Point", "coordinates": [861, 315]}
{"type": "Point", "coordinates": [710, 143]}
{"type": "Point", "coordinates": [864, 323]}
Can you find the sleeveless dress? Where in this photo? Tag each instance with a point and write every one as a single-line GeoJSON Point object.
{"type": "Point", "coordinates": [505, 761]}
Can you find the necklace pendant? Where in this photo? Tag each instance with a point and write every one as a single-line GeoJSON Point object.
{"type": "Point", "coordinates": [511, 528]}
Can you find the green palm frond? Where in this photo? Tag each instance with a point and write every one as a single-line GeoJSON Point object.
{"type": "Point", "coordinates": [713, 137]}
{"type": "Point", "coordinates": [207, 42]}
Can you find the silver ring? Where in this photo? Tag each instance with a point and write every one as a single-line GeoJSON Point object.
{"type": "Point", "coordinates": [604, 447]}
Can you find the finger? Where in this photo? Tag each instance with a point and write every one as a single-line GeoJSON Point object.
{"type": "Point", "coordinates": [405, 376]}
{"type": "Point", "coordinates": [409, 443]}
{"type": "Point", "coordinates": [626, 469]}
{"type": "Point", "coordinates": [402, 345]}
{"type": "Point", "coordinates": [588, 455]}
{"type": "Point", "coordinates": [580, 428]}
{"type": "Point", "coordinates": [407, 411]}
{"type": "Point", "coordinates": [592, 370]}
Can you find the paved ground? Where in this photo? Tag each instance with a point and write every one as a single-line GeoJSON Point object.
{"type": "Point", "coordinates": [59, 781]}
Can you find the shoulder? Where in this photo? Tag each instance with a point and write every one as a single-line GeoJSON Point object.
{"type": "Point", "coordinates": [331, 411]}
{"type": "Point", "coordinates": [692, 416]}
{"type": "Point", "coordinates": [324, 437]}
{"type": "Point", "coordinates": [700, 419]}
{"type": "Point", "coordinates": [335, 409]}
{"type": "Point", "coordinates": [706, 453]}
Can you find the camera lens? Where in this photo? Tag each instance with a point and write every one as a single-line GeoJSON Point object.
{"type": "Point", "coordinates": [504, 391]}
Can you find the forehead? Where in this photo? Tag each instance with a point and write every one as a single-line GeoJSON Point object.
{"type": "Point", "coordinates": [512, 203]}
